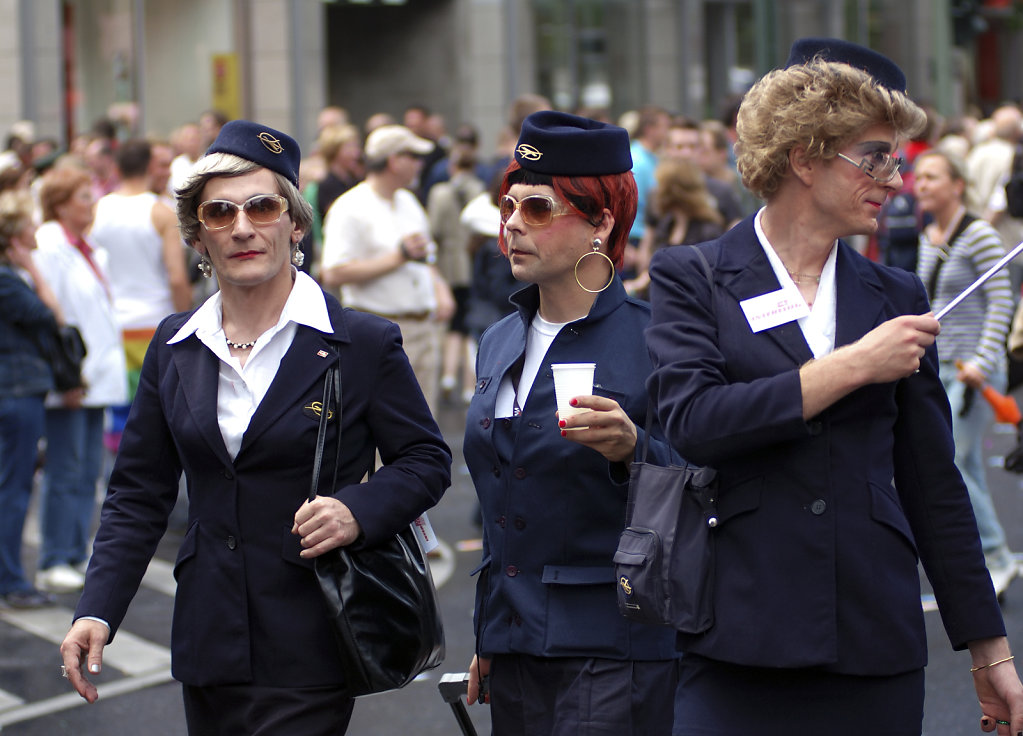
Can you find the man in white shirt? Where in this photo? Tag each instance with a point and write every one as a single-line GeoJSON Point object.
{"type": "Point", "coordinates": [377, 247]}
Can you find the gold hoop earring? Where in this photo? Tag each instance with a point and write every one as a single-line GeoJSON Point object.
{"type": "Point", "coordinates": [595, 252]}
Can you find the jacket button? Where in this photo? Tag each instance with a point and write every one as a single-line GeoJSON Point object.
{"type": "Point", "coordinates": [485, 423]}
{"type": "Point", "coordinates": [500, 521]}
{"type": "Point", "coordinates": [520, 523]}
{"type": "Point", "coordinates": [506, 423]}
{"type": "Point", "coordinates": [232, 543]}
{"type": "Point", "coordinates": [496, 471]}
{"type": "Point", "coordinates": [228, 474]}
{"type": "Point", "coordinates": [520, 473]}
{"type": "Point", "coordinates": [815, 427]}
{"type": "Point", "coordinates": [511, 571]}
{"type": "Point", "coordinates": [818, 507]}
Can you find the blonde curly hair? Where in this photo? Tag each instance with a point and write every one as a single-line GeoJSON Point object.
{"type": "Point", "coordinates": [820, 105]}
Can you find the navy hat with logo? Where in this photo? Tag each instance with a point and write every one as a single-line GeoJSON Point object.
{"type": "Point", "coordinates": [261, 145]}
{"type": "Point", "coordinates": [560, 144]}
{"type": "Point", "coordinates": [885, 71]}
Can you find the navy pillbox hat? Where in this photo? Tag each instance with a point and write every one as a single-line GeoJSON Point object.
{"type": "Point", "coordinates": [261, 145]}
{"type": "Point", "coordinates": [560, 144]}
{"type": "Point", "coordinates": [885, 71]}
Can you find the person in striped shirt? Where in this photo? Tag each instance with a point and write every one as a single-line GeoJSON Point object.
{"type": "Point", "coordinates": [954, 250]}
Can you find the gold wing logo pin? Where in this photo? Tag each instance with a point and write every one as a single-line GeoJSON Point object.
{"type": "Point", "coordinates": [272, 144]}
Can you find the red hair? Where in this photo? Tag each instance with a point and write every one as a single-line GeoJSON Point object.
{"type": "Point", "coordinates": [587, 196]}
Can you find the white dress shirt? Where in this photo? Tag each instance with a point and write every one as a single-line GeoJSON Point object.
{"type": "Point", "coordinates": [240, 388]}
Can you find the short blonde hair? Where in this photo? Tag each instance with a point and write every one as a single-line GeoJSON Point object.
{"type": "Point", "coordinates": [15, 213]}
{"type": "Point", "coordinates": [819, 105]}
{"type": "Point", "coordinates": [680, 184]}
{"type": "Point", "coordinates": [333, 137]}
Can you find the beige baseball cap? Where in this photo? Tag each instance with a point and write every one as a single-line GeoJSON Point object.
{"type": "Point", "coordinates": [389, 140]}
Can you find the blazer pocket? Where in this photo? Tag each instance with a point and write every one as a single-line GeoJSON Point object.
{"type": "Point", "coordinates": [739, 498]}
{"type": "Point", "coordinates": [886, 509]}
{"type": "Point", "coordinates": [188, 549]}
{"type": "Point", "coordinates": [576, 594]}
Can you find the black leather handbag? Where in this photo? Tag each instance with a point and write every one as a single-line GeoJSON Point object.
{"type": "Point", "coordinates": [381, 599]}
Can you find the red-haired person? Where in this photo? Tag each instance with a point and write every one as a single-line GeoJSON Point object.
{"type": "Point", "coordinates": [550, 643]}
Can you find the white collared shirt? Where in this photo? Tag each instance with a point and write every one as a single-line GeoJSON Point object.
{"type": "Point", "coordinates": [818, 327]}
{"type": "Point", "coordinates": [240, 388]}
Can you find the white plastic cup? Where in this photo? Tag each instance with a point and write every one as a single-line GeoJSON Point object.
{"type": "Point", "coordinates": [571, 380]}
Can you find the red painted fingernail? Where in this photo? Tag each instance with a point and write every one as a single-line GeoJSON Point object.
{"type": "Point", "coordinates": [573, 402]}
{"type": "Point", "coordinates": [562, 423]}
{"type": "Point", "coordinates": [564, 433]}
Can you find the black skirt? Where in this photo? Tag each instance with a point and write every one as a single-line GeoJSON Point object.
{"type": "Point", "coordinates": [720, 699]}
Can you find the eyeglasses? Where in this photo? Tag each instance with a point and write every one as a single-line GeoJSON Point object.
{"type": "Point", "coordinates": [263, 209]}
{"type": "Point", "coordinates": [537, 210]}
{"type": "Point", "coordinates": [880, 166]}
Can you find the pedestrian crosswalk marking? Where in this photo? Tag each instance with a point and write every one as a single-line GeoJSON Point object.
{"type": "Point", "coordinates": [9, 700]}
{"type": "Point", "coordinates": [131, 654]}
{"type": "Point", "coordinates": [41, 708]}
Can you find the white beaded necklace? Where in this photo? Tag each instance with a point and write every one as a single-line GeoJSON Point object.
{"type": "Point", "coordinates": [239, 345]}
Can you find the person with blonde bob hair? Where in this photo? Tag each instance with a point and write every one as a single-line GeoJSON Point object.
{"type": "Point", "coordinates": [808, 377]}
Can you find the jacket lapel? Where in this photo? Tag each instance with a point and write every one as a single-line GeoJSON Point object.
{"type": "Point", "coordinates": [745, 272]}
{"type": "Point", "coordinates": [305, 363]}
{"type": "Point", "coordinates": [860, 297]}
{"type": "Point", "coordinates": [198, 372]}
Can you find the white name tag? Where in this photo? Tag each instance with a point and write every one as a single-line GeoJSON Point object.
{"type": "Point", "coordinates": [424, 531]}
{"type": "Point", "coordinates": [774, 308]}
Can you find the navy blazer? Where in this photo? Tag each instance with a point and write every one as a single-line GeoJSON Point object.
{"type": "Point", "coordinates": [248, 608]}
{"type": "Point", "coordinates": [822, 521]}
{"type": "Point", "coordinates": [553, 509]}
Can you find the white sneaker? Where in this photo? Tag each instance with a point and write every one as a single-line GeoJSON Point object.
{"type": "Point", "coordinates": [60, 579]}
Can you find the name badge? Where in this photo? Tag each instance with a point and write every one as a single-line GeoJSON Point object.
{"type": "Point", "coordinates": [774, 308]}
{"type": "Point", "coordinates": [424, 531]}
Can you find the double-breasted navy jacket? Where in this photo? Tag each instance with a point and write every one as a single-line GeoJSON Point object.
{"type": "Point", "coordinates": [822, 521]}
{"type": "Point", "coordinates": [553, 509]}
{"type": "Point", "coordinates": [248, 608]}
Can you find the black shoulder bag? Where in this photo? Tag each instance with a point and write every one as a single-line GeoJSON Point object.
{"type": "Point", "coordinates": [381, 599]}
{"type": "Point", "coordinates": [664, 563]}
{"type": "Point", "coordinates": [64, 349]}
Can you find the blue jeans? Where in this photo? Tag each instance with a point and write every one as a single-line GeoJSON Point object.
{"type": "Point", "coordinates": [74, 458]}
{"type": "Point", "coordinates": [968, 434]}
{"type": "Point", "coordinates": [21, 426]}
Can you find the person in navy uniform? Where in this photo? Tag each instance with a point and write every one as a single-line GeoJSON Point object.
{"type": "Point", "coordinates": [808, 377]}
{"type": "Point", "coordinates": [230, 395]}
{"type": "Point", "coordinates": [559, 657]}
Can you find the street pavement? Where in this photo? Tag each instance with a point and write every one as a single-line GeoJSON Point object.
{"type": "Point", "coordinates": [137, 694]}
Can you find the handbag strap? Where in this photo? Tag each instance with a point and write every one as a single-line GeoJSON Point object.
{"type": "Point", "coordinates": [650, 408]}
{"type": "Point", "coordinates": [331, 390]}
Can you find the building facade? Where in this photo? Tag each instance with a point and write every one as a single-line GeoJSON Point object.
{"type": "Point", "coordinates": [157, 63]}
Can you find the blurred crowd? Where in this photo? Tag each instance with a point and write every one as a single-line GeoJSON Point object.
{"type": "Point", "coordinates": [109, 259]}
